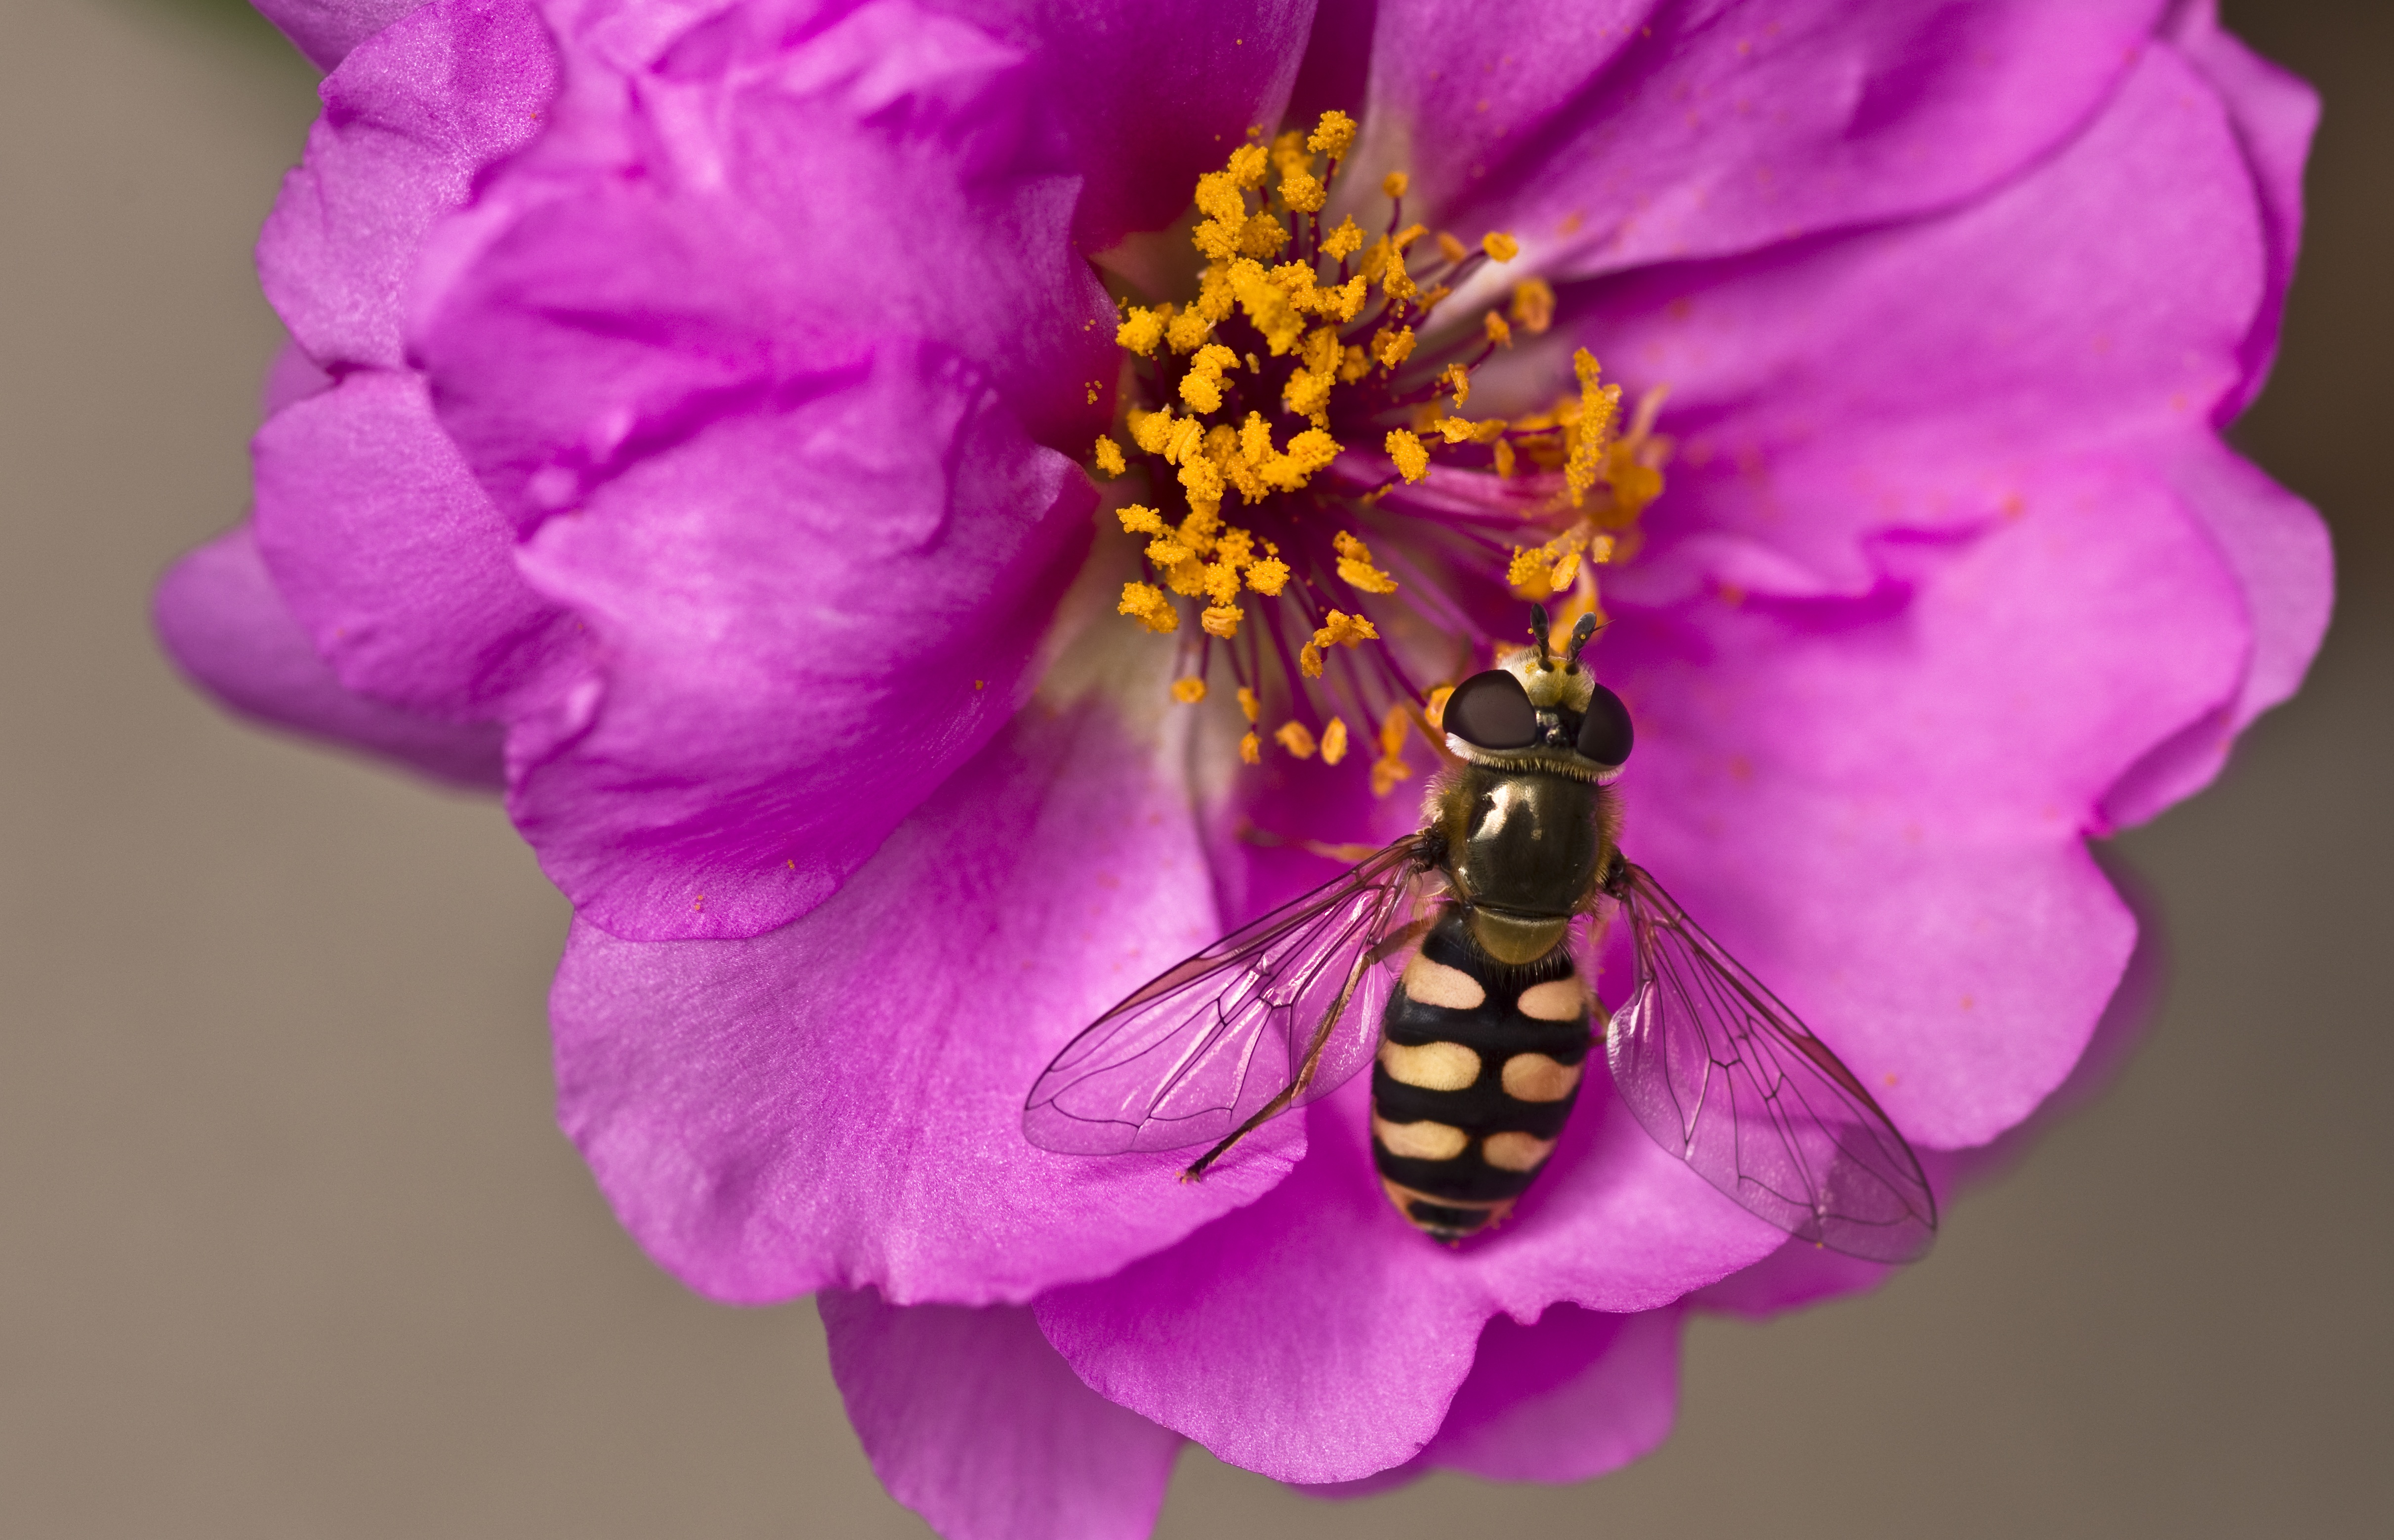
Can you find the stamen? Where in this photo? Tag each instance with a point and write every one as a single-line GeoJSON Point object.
{"type": "Point", "coordinates": [1243, 402]}
{"type": "Point", "coordinates": [1533, 305]}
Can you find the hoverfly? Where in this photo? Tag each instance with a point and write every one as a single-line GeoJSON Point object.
{"type": "Point", "coordinates": [1451, 953]}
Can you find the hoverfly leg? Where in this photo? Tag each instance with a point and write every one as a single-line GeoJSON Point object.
{"type": "Point", "coordinates": [1296, 1087]}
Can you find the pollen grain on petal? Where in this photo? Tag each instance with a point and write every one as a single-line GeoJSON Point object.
{"type": "Point", "coordinates": [1108, 456]}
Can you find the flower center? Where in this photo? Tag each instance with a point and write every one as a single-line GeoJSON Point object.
{"type": "Point", "coordinates": [1314, 377]}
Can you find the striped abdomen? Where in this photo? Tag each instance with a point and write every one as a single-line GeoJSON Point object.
{"type": "Point", "coordinates": [1478, 1067]}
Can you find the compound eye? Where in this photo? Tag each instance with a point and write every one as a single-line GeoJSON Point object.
{"type": "Point", "coordinates": [1491, 710]}
{"type": "Point", "coordinates": [1605, 735]}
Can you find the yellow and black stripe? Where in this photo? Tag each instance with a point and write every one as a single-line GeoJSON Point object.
{"type": "Point", "coordinates": [1480, 1063]}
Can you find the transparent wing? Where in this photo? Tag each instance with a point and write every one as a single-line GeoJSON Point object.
{"type": "Point", "coordinates": [1215, 1040]}
{"type": "Point", "coordinates": [1726, 1077]}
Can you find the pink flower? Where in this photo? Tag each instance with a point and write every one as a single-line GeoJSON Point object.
{"type": "Point", "coordinates": [684, 430]}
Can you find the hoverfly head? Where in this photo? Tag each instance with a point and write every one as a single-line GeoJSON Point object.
{"type": "Point", "coordinates": [1531, 704]}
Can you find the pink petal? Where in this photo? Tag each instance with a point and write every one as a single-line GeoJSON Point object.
{"type": "Point", "coordinates": [2278, 549]}
{"type": "Point", "coordinates": [222, 622]}
{"type": "Point", "coordinates": [2274, 115]}
{"type": "Point", "coordinates": [1572, 1396]}
{"type": "Point", "coordinates": [839, 1102]}
{"type": "Point", "coordinates": [1150, 96]}
{"type": "Point", "coordinates": [971, 1420]}
{"type": "Point", "coordinates": [1610, 135]}
{"type": "Point", "coordinates": [1919, 377]}
{"type": "Point", "coordinates": [326, 30]}
{"type": "Point", "coordinates": [710, 222]}
{"type": "Point", "coordinates": [394, 560]}
{"type": "Point", "coordinates": [1879, 808]}
{"type": "Point", "coordinates": [810, 612]}
{"type": "Point", "coordinates": [1316, 1337]}
{"type": "Point", "coordinates": [411, 117]}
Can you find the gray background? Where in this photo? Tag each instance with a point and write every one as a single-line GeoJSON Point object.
{"type": "Point", "coordinates": [289, 1245]}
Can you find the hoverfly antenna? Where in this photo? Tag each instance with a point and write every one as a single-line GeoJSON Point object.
{"type": "Point", "coordinates": [1581, 633]}
{"type": "Point", "coordinates": [1538, 628]}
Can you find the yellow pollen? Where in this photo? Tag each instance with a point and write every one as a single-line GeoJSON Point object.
{"type": "Point", "coordinates": [1434, 710]}
{"type": "Point", "coordinates": [1390, 766]}
{"type": "Point", "coordinates": [1344, 630]}
{"type": "Point", "coordinates": [1308, 390]}
{"type": "Point", "coordinates": [1541, 572]}
{"type": "Point", "coordinates": [1150, 607]}
{"type": "Point", "coordinates": [1412, 460]}
{"type": "Point", "coordinates": [1355, 567]}
{"type": "Point", "coordinates": [1533, 305]}
{"type": "Point", "coordinates": [1598, 404]}
{"type": "Point", "coordinates": [1181, 440]}
{"type": "Point", "coordinates": [1254, 439]}
{"type": "Point", "coordinates": [1340, 629]}
{"type": "Point", "coordinates": [1333, 135]}
{"type": "Point", "coordinates": [1151, 431]}
{"type": "Point", "coordinates": [1277, 294]}
{"type": "Point", "coordinates": [1140, 331]}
